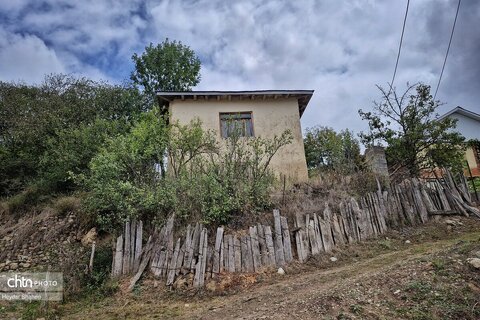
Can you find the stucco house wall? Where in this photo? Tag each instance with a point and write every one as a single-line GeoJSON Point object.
{"type": "Point", "coordinates": [270, 117]}
{"type": "Point", "coordinates": [468, 125]}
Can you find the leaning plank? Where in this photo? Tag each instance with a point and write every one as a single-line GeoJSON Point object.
{"type": "Point", "coordinates": [225, 253]}
{"type": "Point", "coordinates": [131, 261]}
{"type": "Point", "coordinates": [199, 278]}
{"type": "Point", "coordinates": [345, 223]}
{"type": "Point", "coordinates": [216, 252]}
{"type": "Point", "coordinates": [168, 252]}
{"type": "Point", "coordinates": [270, 246]}
{"type": "Point", "coordinates": [157, 250]}
{"type": "Point", "coordinates": [208, 269]}
{"type": "Point", "coordinates": [306, 238]}
{"type": "Point", "coordinates": [194, 248]}
{"type": "Point", "coordinates": [337, 231]}
{"type": "Point", "coordinates": [421, 207]}
{"type": "Point", "coordinates": [118, 261]}
{"type": "Point", "coordinates": [287, 243]}
{"type": "Point", "coordinates": [138, 244]}
{"type": "Point", "coordinates": [179, 263]}
{"type": "Point", "coordinates": [188, 243]}
{"type": "Point", "coordinates": [146, 256]}
{"type": "Point", "coordinates": [238, 254]}
{"type": "Point", "coordinates": [325, 229]}
{"type": "Point", "coordinates": [316, 232]}
{"type": "Point", "coordinates": [173, 264]}
{"type": "Point", "coordinates": [311, 237]}
{"type": "Point", "coordinates": [126, 249]}
{"type": "Point", "coordinates": [263, 244]}
{"type": "Point", "coordinates": [279, 254]}
{"type": "Point", "coordinates": [243, 248]}
{"type": "Point", "coordinates": [231, 253]}
{"type": "Point", "coordinates": [302, 257]}
{"type": "Point", "coordinates": [257, 262]}
{"type": "Point", "coordinates": [249, 257]}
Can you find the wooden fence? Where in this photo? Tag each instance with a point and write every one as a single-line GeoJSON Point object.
{"type": "Point", "coordinates": [407, 204]}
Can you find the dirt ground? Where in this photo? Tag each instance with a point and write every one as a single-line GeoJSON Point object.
{"type": "Point", "coordinates": [417, 273]}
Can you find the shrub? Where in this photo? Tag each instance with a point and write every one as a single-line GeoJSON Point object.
{"type": "Point", "coordinates": [64, 205]}
{"type": "Point", "coordinates": [206, 179]}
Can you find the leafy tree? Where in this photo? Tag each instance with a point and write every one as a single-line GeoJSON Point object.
{"type": "Point", "coordinates": [55, 128]}
{"type": "Point", "coordinates": [415, 136]}
{"type": "Point", "coordinates": [169, 66]}
{"type": "Point", "coordinates": [325, 149]}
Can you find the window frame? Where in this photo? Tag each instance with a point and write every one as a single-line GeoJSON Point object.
{"type": "Point", "coordinates": [220, 114]}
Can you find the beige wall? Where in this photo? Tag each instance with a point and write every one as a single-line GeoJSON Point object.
{"type": "Point", "coordinates": [270, 117]}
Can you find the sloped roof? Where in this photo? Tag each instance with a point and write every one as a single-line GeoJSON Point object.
{"type": "Point", "coordinates": [303, 96]}
{"type": "Point", "coordinates": [463, 112]}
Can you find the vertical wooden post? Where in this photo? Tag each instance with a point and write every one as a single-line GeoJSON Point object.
{"type": "Point", "coordinates": [279, 254]}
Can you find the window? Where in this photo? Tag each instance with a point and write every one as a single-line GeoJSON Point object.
{"type": "Point", "coordinates": [236, 122]}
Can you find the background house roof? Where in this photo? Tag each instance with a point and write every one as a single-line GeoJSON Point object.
{"type": "Point", "coordinates": [462, 111]}
{"type": "Point", "coordinates": [303, 96]}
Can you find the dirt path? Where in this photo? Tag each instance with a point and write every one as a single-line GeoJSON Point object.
{"type": "Point", "coordinates": [382, 287]}
{"type": "Point", "coordinates": [299, 297]}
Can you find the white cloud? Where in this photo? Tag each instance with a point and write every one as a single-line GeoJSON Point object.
{"type": "Point", "coordinates": [26, 58]}
{"type": "Point", "coordinates": [339, 49]}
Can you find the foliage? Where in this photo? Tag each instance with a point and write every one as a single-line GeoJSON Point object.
{"type": "Point", "coordinates": [204, 180]}
{"type": "Point", "coordinates": [122, 175]}
{"type": "Point", "coordinates": [55, 128]}
{"type": "Point", "coordinates": [169, 66]}
{"type": "Point", "coordinates": [326, 149]}
{"type": "Point", "coordinates": [416, 137]}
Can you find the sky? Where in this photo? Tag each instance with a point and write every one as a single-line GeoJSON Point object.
{"type": "Point", "coordinates": [340, 49]}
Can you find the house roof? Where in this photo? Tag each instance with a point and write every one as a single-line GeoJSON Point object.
{"type": "Point", "coordinates": [303, 96]}
{"type": "Point", "coordinates": [463, 112]}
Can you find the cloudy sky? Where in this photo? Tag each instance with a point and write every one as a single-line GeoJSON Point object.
{"type": "Point", "coordinates": [341, 49]}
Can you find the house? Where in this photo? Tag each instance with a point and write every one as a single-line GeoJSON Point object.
{"type": "Point", "coordinates": [468, 125]}
{"type": "Point", "coordinates": [264, 113]}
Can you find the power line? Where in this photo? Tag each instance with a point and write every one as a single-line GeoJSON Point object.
{"type": "Point", "coordinates": [399, 47]}
{"type": "Point", "coordinates": [448, 49]}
